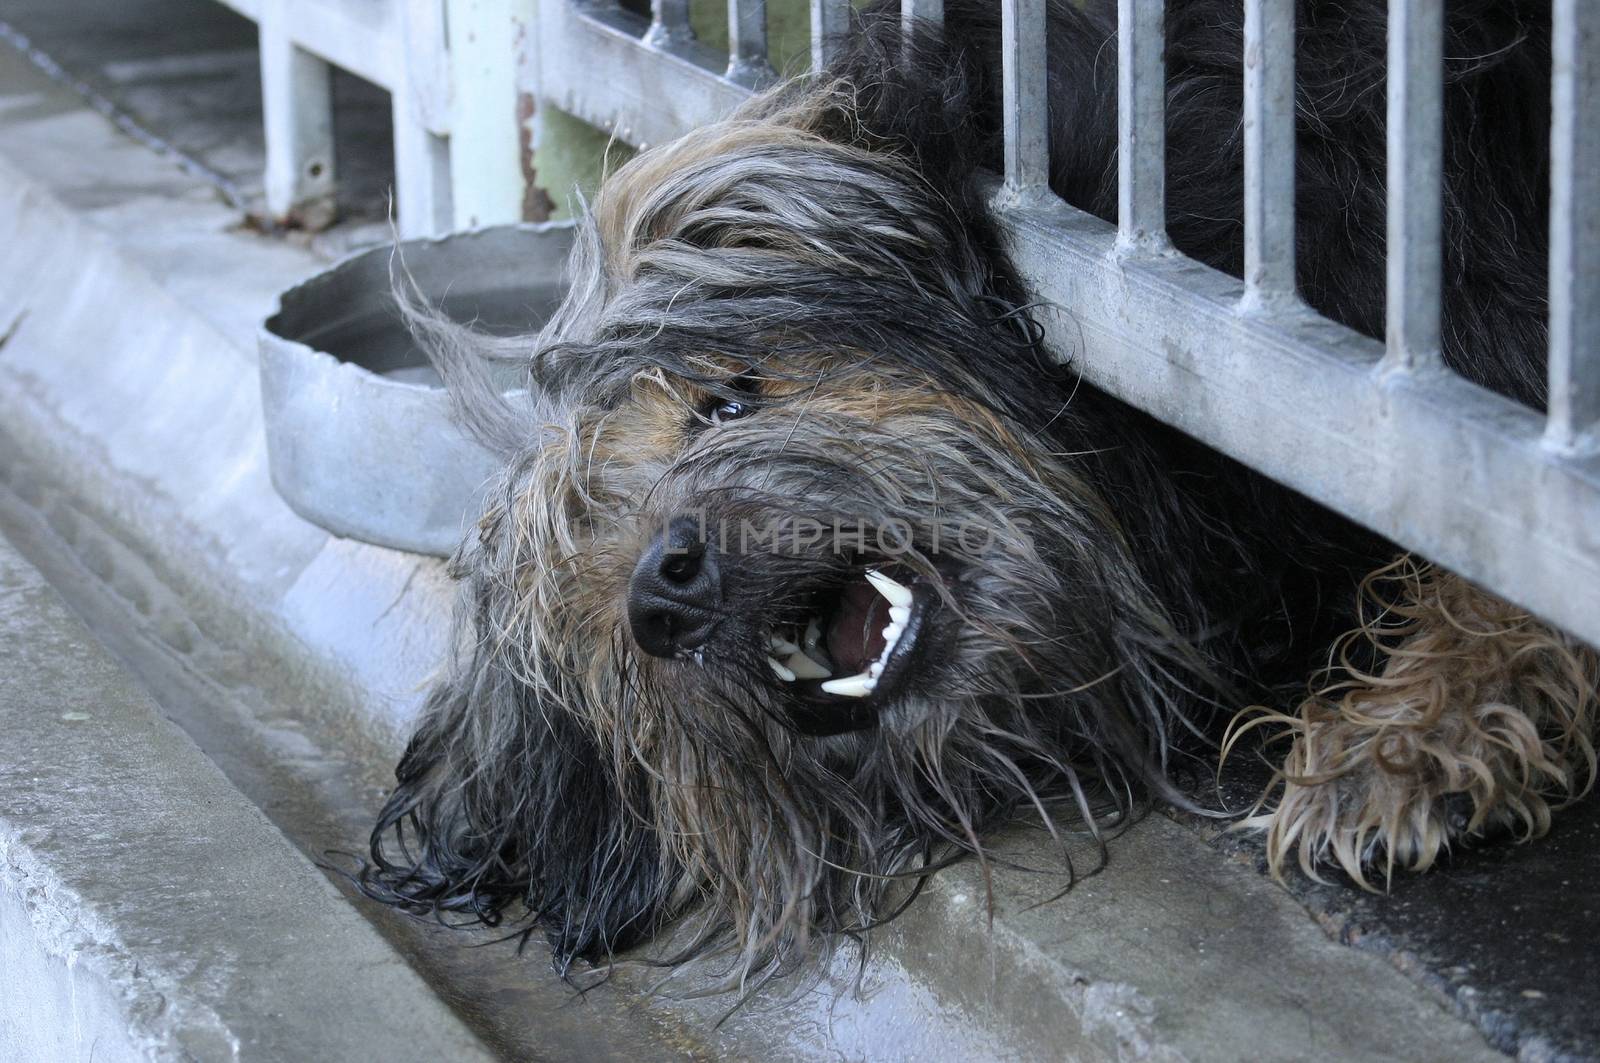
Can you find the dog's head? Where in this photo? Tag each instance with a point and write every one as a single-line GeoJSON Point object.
{"type": "Point", "coordinates": [797, 582]}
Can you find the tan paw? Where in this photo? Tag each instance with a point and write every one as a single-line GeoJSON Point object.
{"type": "Point", "coordinates": [1368, 803]}
{"type": "Point", "coordinates": [1477, 724]}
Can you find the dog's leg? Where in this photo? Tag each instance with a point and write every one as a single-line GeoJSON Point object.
{"type": "Point", "coordinates": [1475, 719]}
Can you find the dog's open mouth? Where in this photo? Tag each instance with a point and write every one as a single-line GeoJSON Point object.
{"type": "Point", "coordinates": [857, 647]}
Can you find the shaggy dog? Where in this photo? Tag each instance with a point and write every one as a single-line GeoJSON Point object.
{"type": "Point", "coordinates": [812, 565]}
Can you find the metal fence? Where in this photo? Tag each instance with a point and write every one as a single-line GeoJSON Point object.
{"type": "Point", "coordinates": [1380, 431]}
{"type": "Point", "coordinates": [454, 102]}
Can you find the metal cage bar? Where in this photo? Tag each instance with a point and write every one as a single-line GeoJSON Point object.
{"type": "Point", "coordinates": [1438, 464]}
{"type": "Point", "coordinates": [747, 42]}
{"type": "Point", "coordinates": [1141, 124]}
{"type": "Point", "coordinates": [1269, 115]}
{"type": "Point", "coordinates": [1432, 461]}
{"type": "Point", "coordinates": [589, 61]}
{"type": "Point", "coordinates": [297, 120]}
{"type": "Point", "coordinates": [1574, 417]}
{"type": "Point", "coordinates": [929, 12]}
{"type": "Point", "coordinates": [1415, 183]}
{"type": "Point", "coordinates": [829, 20]}
{"type": "Point", "coordinates": [1025, 98]}
{"type": "Point", "coordinates": [669, 23]}
{"type": "Point", "coordinates": [488, 182]}
{"type": "Point", "coordinates": [420, 109]}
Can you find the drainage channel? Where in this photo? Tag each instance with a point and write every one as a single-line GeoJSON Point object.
{"type": "Point", "coordinates": [318, 788]}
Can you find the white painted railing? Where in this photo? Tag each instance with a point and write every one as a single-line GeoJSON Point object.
{"type": "Point", "coordinates": [450, 69]}
{"type": "Point", "coordinates": [1379, 431]}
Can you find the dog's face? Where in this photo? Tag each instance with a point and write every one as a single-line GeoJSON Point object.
{"type": "Point", "coordinates": [795, 570]}
{"type": "Point", "coordinates": [824, 545]}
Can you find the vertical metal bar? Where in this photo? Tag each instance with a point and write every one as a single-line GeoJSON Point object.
{"type": "Point", "coordinates": [829, 20]}
{"type": "Point", "coordinates": [421, 113]}
{"type": "Point", "coordinates": [928, 12]}
{"type": "Point", "coordinates": [1269, 113]}
{"type": "Point", "coordinates": [421, 172]}
{"type": "Point", "coordinates": [1141, 124]}
{"type": "Point", "coordinates": [1024, 98]}
{"type": "Point", "coordinates": [747, 41]}
{"type": "Point", "coordinates": [669, 23]}
{"type": "Point", "coordinates": [425, 58]}
{"type": "Point", "coordinates": [487, 178]}
{"type": "Point", "coordinates": [297, 124]}
{"type": "Point", "coordinates": [1574, 421]}
{"type": "Point", "coordinates": [1415, 168]}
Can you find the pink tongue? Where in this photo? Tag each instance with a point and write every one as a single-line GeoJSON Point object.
{"type": "Point", "coordinates": [855, 637]}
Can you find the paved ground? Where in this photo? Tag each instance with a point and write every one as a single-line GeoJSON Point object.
{"type": "Point", "coordinates": [1502, 934]}
{"type": "Point", "coordinates": [1504, 931]}
{"type": "Point", "coordinates": [1507, 931]}
{"type": "Point", "coordinates": [145, 905]}
{"type": "Point", "coordinates": [186, 72]}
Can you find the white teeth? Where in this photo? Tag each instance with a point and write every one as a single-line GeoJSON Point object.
{"type": "Point", "coordinates": [859, 686]}
{"type": "Point", "coordinates": [895, 592]}
{"type": "Point", "coordinates": [813, 635]}
{"type": "Point", "coordinates": [850, 686]}
{"type": "Point", "coordinates": [855, 686]}
{"type": "Point", "coordinates": [811, 645]}
{"type": "Point", "coordinates": [796, 663]}
{"type": "Point", "coordinates": [891, 636]}
{"type": "Point", "coordinates": [804, 667]}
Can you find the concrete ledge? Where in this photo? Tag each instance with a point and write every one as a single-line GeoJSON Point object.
{"type": "Point", "coordinates": [147, 910]}
{"type": "Point", "coordinates": [131, 453]}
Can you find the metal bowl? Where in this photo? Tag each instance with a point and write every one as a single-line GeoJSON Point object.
{"type": "Point", "coordinates": [359, 435]}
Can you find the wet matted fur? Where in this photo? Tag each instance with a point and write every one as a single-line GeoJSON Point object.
{"type": "Point", "coordinates": [799, 325]}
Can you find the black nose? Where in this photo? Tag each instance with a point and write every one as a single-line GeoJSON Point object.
{"type": "Point", "coordinates": [675, 595]}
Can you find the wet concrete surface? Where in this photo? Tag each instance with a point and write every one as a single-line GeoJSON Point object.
{"type": "Point", "coordinates": [1507, 931]}
{"type": "Point", "coordinates": [1510, 932]}
{"type": "Point", "coordinates": [186, 73]}
{"type": "Point", "coordinates": [319, 790]}
{"type": "Point", "coordinates": [147, 909]}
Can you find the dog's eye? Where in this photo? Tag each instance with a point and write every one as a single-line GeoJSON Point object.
{"type": "Point", "coordinates": [739, 396]}
{"type": "Point", "coordinates": [729, 410]}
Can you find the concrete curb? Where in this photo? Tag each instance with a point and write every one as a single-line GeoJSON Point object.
{"type": "Point", "coordinates": [136, 455]}
{"type": "Point", "coordinates": [147, 910]}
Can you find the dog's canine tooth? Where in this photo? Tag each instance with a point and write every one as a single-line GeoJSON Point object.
{"type": "Point", "coordinates": [855, 686]}
{"type": "Point", "coordinates": [897, 594]}
{"type": "Point", "coordinates": [813, 636]}
{"type": "Point", "coordinates": [812, 646]}
{"type": "Point", "coordinates": [804, 667]}
{"type": "Point", "coordinates": [782, 645]}
{"type": "Point", "coordinates": [782, 673]}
